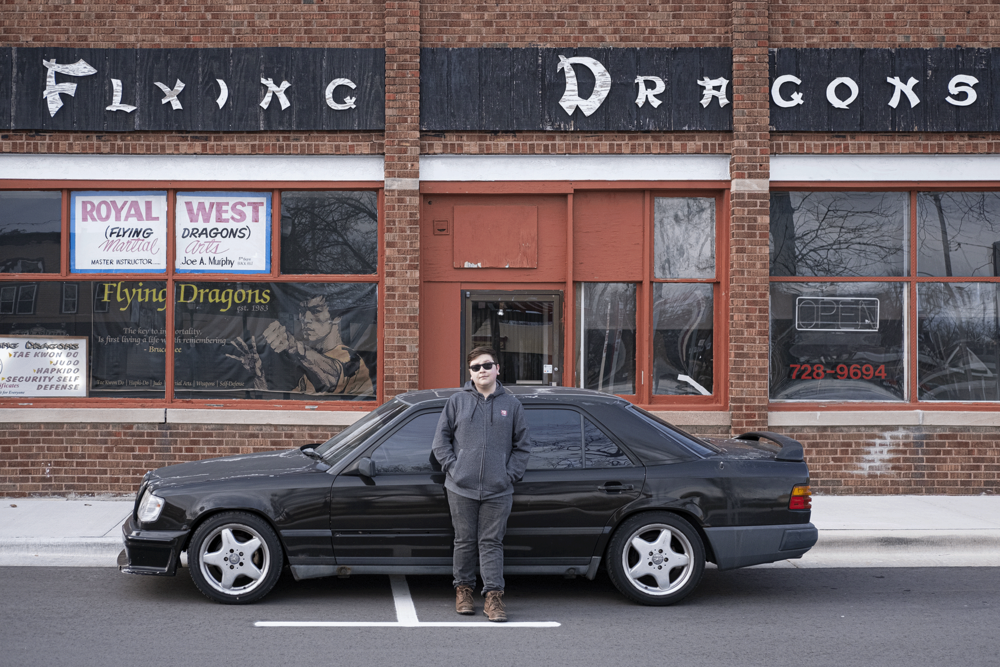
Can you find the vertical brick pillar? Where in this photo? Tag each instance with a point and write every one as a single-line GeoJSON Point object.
{"type": "Point", "coordinates": [402, 197]}
{"type": "Point", "coordinates": [749, 170]}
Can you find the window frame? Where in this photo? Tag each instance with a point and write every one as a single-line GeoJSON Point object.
{"type": "Point", "coordinates": [171, 277]}
{"type": "Point", "coordinates": [911, 281]}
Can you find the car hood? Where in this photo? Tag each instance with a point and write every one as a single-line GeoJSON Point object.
{"type": "Point", "coordinates": [242, 466]}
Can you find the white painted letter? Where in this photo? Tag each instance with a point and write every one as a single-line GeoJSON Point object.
{"type": "Point", "coordinates": [277, 90]}
{"type": "Point", "coordinates": [116, 102]}
{"type": "Point", "coordinates": [348, 101]}
{"type": "Point", "coordinates": [571, 99]}
{"type": "Point", "coordinates": [831, 92]}
{"type": "Point", "coordinates": [776, 91]}
{"type": "Point", "coordinates": [53, 90]}
{"type": "Point", "coordinates": [710, 86]}
{"type": "Point", "coordinates": [223, 93]}
{"type": "Point", "coordinates": [903, 88]}
{"type": "Point", "coordinates": [171, 95]}
{"type": "Point", "coordinates": [646, 94]}
{"type": "Point", "coordinates": [955, 88]}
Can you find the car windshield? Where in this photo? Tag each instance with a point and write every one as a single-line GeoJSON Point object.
{"type": "Point", "coordinates": [696, 445]}
{"type": "Point", "coordinates": [340, 445]}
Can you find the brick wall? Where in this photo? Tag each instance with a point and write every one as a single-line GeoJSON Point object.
{"type": "Point", "coordinates": [931, 461]}
{"type": "Point", "coordinates": [111, 458]}
{"type": "Point", "coordinates": [167, 143]}
{"type": "Point", "coordinates": [818, 24]}
{"type": "Point", "coordinates": [179, 24]}
{"type": "Point", "coordinates": [569, 24]}
{"type": "Point", "coordinates": [562, 143]}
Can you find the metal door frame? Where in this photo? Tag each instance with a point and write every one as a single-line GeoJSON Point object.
{"type": "Point", "coordinates": [558, 320]}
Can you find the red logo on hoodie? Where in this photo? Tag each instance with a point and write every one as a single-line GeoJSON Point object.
{"type": "Point", "coordinates": [503, 413]}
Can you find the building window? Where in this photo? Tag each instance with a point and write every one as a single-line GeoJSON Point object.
{"type": "Point", "coordinates": [652, 335]}
{"type": "Point", "coordinates": [241, 330]}
{"type": "Point", "coordinates": [869, 324]}
{"type": "Point", "coordinates": [30, 232]}
{"type": "Point", "coordinates": [329, 232]}
{"type": "Point", "coordinates": [683, 304]}
{"type": "Point", "coordinates": [70, 298]}
{"type": "Point", "coordinates": [606, 329]}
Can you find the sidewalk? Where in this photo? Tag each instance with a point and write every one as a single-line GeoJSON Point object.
{"type": "Point", "coordinates": [854, 531]}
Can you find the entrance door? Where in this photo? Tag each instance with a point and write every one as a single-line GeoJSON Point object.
{"type": "Point", "coordinates": [525, 328]}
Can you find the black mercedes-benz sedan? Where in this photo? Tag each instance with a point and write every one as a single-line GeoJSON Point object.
{"type": "Point", "coordinates": [608, 486]}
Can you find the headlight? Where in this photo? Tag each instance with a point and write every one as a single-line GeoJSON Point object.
{"type": "Point", "coordinates": [150, 507]}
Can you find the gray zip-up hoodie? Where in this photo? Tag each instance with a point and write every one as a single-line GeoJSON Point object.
{"type": "Point", "coordinates": [482, 444]}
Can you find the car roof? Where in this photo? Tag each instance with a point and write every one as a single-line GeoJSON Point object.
{"type": "Point", "coordinates": [569, 395]}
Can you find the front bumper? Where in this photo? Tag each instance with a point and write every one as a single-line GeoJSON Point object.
{"type": "Point", "coordinates": [740, 546]}
{"type": "Point", "coordinates": [150, 551]}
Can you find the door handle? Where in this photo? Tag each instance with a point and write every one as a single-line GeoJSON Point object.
{"type": "Point", "coordinates": [615, 487]}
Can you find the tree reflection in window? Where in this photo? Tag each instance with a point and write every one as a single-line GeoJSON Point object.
{"type": "Point", "coordinates": [329, 232]}
{"type": "Point", "coordinates": [958, 332]}
{"type": "Point", "coordinates": [958, 234]}
{"type": "Point", "coordinates": [839, 233]}
{"type": "Point", "coordinates": [556, 439]}
{"type": "Point", "coordinates": [408, 450]}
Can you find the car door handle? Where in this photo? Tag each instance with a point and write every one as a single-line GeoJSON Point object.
{"type": "Point", "coordinates": [615, 487]}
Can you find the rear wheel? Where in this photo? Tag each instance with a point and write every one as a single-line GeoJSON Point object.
{"type": "Point", "coordinates": [656, 558]}
{"type": "Point", "coordinates": [235, 558]}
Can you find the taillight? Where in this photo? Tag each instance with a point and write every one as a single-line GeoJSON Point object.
{"type": "Point", "coordinates": [801, 498]}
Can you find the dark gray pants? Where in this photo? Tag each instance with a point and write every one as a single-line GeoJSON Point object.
{"type": "Point", "coordinates": [479, 529]}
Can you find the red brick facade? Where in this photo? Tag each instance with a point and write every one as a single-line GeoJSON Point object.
{"type": "Point", "coordinates": [62, 458]}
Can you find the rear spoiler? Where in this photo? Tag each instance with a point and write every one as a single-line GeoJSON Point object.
{"type": "Point", "coordinates": [791, 449]}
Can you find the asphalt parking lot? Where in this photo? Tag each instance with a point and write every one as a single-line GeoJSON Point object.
{"type": "Point", "coordinates": [768, 616]}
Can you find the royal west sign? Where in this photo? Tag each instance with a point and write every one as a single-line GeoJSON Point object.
{"type": "Point", "coordinates": [495, 89]}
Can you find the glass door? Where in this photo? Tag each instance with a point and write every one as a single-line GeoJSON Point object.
{"type": "Point", "coordinates": [525, 328]}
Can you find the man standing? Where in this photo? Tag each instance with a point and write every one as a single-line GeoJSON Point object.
{"type": "Point", "coordinates": [483, 446]}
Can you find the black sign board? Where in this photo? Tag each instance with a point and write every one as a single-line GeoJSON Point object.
{"type": "Point", "coordinates": [885, 90]}
{"type": "Point", "coordinates": [226, 90]}
{"type": "Point", "coordinates": [595, 90]}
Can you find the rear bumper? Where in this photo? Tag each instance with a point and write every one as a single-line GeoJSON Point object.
{"type": "Point", "coordinates": [154, 552]}
{"type": "Point", "coordinates": [740, 546]}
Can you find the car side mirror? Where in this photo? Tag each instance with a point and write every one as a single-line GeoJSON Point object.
{"type": "Point", "coordinates": [366, 467]}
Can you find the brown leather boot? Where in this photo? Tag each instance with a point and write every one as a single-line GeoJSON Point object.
{"type": "Point", "coordinates": [463, 600]}
{"type": "Point", "coordinates": [494, 608]}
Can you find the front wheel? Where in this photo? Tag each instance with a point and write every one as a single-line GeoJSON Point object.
{"type": "Point", "coordinates": [656, 558]}
{"type": "Point", "coordinates": [235, 558]}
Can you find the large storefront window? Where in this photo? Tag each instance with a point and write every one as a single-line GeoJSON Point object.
{"type": "Point", "coordinates": [124, 322]}
{"type": "Point", "coordinates": [654, 339]}
{"type": "Point", "coordinates": [837, 338]}
{"type": "Point", "coordinates": [240, 330]}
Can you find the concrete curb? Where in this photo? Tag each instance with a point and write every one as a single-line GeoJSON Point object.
{"type": "Point", "coordinates": [60, 551]}
{"type": "Point", "coordinates": [835, 549]}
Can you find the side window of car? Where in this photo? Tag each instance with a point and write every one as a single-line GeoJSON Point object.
{"type": "Point", "coordinates": [598, 449]}
{"type": "Point", "coordinates": [556, 438]}
{"type": "Point", "coordinates": [408, 450]}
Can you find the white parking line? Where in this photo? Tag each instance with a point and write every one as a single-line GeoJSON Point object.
{"type": "Point", "coordinates": [406, 615]}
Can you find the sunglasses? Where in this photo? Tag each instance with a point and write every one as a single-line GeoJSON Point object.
{"type": "Point", "coordinates": [488, 366]}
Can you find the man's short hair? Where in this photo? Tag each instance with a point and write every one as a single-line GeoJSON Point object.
{"type": "Point", "coordinates": [480, 351]}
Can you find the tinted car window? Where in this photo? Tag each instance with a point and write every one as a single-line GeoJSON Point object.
{"type": "Point", "coordinates": [599, 450]}
{"type": "Point", "coordinates": [408, 450]}
{"type": "Point", "coordinates": [557, 439]}
{"type": "Point", "coordinates": [337, 447]}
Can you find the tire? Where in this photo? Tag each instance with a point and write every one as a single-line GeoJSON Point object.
{"type": "Point", "coordinates": [235, 558]}
{"type": "Point", "coordinates": [656, 558]}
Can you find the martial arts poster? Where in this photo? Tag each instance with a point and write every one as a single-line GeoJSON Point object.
{"type": "Point", "coordinates": [288, 341]}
